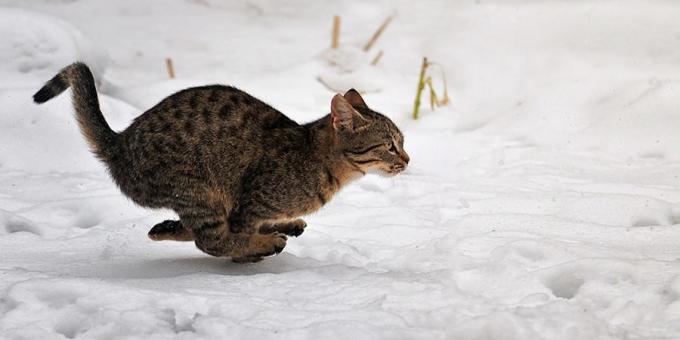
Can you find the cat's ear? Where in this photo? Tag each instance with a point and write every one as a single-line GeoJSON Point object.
{"type": "Point", "coordinates": [342, 113]}
{"type": "Point", "coordinates": [354, 98]}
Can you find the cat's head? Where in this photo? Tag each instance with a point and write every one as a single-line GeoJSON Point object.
{"type": "Point", "coordinates": [368, 139]}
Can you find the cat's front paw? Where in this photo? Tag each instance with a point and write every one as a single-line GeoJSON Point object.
{"type": "Point", "coordinates": [294, 228]}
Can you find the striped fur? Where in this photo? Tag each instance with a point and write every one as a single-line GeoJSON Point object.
{"type": "Point", "coordinates": [93, 125]}
{"type": "Point", "coordinates": [237, 171]}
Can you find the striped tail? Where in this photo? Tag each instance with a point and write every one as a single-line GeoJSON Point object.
{"type": "Point", "coordinates": [99, 136]}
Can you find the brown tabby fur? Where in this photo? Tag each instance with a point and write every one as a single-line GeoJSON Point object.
{"type": "Point", "coordinates": [237, 172]}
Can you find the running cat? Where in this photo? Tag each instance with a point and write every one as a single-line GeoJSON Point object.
{"type": "Point", "coordinates": [237, 172]}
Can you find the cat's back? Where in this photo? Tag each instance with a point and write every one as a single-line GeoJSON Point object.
{"type": "Point", "coordinates": [199, 119]}
{"type": "Point", "coordinates": [193, 139]}
{"type": "Point", "coordinates": [207, 109]}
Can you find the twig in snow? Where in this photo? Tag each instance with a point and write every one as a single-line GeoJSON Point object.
{"type": "Point", "coordinates": [376, 60]}
{"type": "Point", "coordinates": [377, 34]}
{"type": "Point", "coordinates": [327, 86]}
{"type": "Point", "coordinates": [170, 68]}
{"type": "Point", "coordinates": [444, 100]}
{"type": "Point", "coordinates": [336, 32]}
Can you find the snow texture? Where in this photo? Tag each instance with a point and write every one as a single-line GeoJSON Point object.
{"type": "Point", "coordinates": [542, 203]}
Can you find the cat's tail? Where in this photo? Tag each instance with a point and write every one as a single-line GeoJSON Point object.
{"type": "Point", "coordinates": [99, 136]}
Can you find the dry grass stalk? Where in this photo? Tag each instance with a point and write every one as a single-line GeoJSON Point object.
{"type": "Point", "coordinates": [170, 68]}
{"type": "Point", "coordinates": [445, 99]}
{"type": "Point", "coordinates": [433, 95]}
{"type": "Point", "coordinates": [376, 60]}
{"type": "Point", "coordinates": [336, 32]}
{"type": "Point", "coordinates": [327, 86]}
{"type": "Point", "coordinates": [377, 34]}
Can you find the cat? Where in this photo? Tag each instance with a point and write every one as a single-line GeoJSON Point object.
{"type": "Point", "coordinates": [238, 173]}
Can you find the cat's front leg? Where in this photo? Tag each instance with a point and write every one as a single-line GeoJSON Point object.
{"type": "Point", "coordinates": [250, 214]}
{"type": "Point", "coordinates": [293, 228]}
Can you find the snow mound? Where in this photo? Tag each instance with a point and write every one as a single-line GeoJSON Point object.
{"type": "Point", "coordinates": [38, 138]}
{"type": "Point", "coordinates": [35, 46]}
{"type": "Point", "coordinates": [538, 205]}
{"type": "Point", "coordinates": [350, 67]}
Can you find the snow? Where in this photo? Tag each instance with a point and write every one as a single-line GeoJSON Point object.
{"type": "Point", "coordinates": [542, 203]}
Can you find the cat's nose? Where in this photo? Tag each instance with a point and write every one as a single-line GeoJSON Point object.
{"type": "Point", "coordinates": [404, 157]}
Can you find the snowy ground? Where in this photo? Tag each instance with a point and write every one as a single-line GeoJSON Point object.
{"type": "Point", "coordinates": [542, 204]}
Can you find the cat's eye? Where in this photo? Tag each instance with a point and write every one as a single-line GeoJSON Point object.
{"type": "Point", "coordinates": [391, 147]}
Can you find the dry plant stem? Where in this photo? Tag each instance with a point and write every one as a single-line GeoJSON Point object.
{"type": "Point", "coordinates": [445, 100]}
{"type": "Point", "coordinates": [376, 60]}
{"type": "Point", "coordinates": [377, 34]}
{"type": "Point", "coordinates": [434, 102]}
{"type": "Point", "coordinates": [336, 32]}
{"type": "Point", "coordinates": [328, 86]}
{"type": "Point", "coordinates": [170, 67]}
{"type": "Point", "coordinates": [421, 86]}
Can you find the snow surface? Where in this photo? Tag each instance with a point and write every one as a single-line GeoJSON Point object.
{"type": "Point", "coordinates": [543, 203]}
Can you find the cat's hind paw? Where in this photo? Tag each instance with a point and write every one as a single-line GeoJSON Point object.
{"type": "Point", "coordinates": [171, 230]}
{"type": "Point", "coordinates": [260, 246]}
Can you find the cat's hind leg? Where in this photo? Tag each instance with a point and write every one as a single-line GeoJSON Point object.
{"type": "Point", "coordinates": [259, 246]}
{"type": "Point", "coordinates": [170, 230]}
{"type": "Point", "coordinates": [213, 236]}
{"type": "Point", "coordinates": [293, 228]}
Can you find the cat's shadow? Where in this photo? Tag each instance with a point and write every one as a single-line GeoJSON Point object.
{"type": "Point", "coordinates": [175, 267]}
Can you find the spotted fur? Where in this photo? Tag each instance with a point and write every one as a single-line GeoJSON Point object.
{"type": "Point", "coordinates": [237, 172]}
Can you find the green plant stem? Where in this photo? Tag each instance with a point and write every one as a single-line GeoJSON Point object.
{"type": "Point", "coordinates": [421, 86]}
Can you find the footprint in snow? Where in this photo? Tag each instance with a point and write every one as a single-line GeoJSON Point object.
{"type": "Point", "coordinates": [13, 223]}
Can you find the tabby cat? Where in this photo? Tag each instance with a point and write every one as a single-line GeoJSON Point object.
{"type": "Point", "coordinates": [237, 172]}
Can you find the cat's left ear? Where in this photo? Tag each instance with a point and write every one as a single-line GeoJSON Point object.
{"type": "Point", "coordinates": [354, 98]}
{"type": "Point", "coordinates": [342, 114]}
